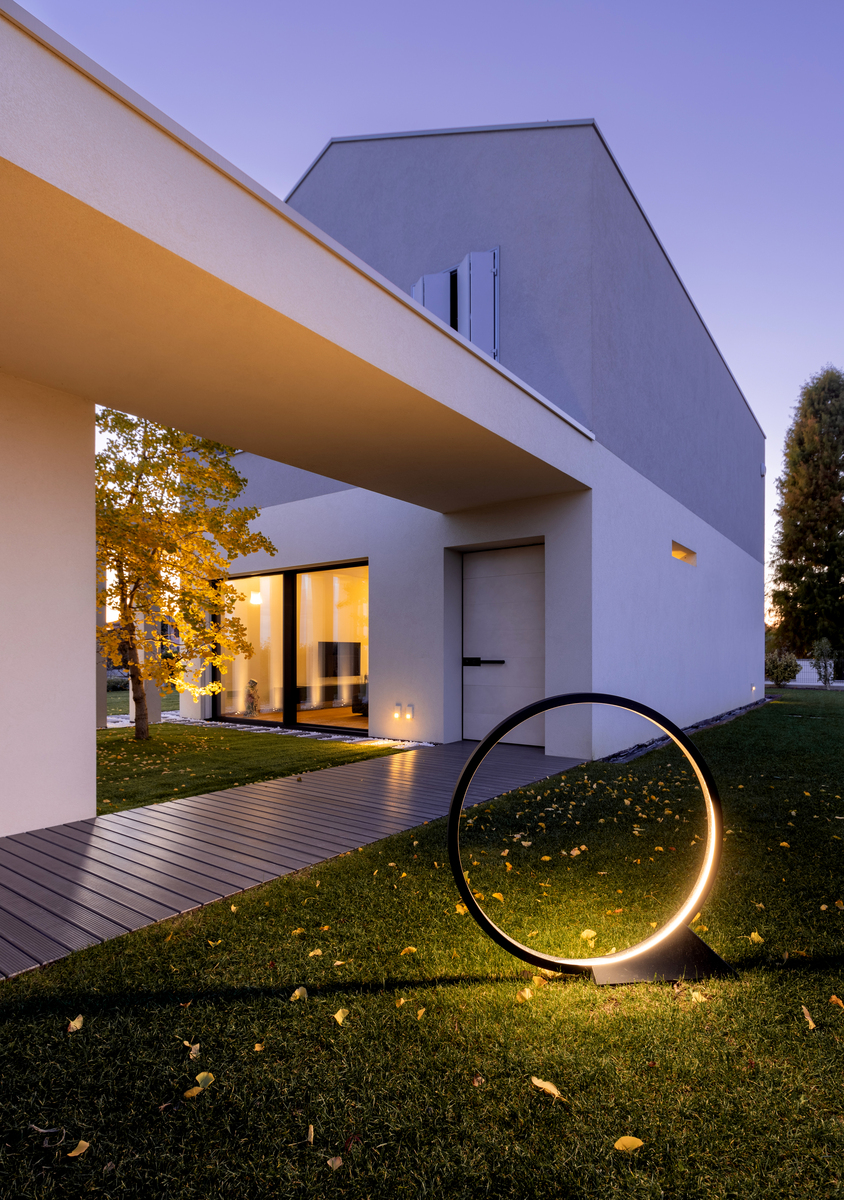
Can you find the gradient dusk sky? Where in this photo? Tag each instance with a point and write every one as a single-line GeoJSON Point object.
{"type": "Point", "coordinates": [725, 117]}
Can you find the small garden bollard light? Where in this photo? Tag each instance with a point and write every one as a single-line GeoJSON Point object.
{"type": "Point", "coordinates": [674, 951]}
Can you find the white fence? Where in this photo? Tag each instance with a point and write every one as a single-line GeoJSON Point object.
{"type": "Point", "coordinates": [808, 676]}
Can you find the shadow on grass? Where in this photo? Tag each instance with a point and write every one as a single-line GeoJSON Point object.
{"type": "Point", "coordinates": [126, 1001]}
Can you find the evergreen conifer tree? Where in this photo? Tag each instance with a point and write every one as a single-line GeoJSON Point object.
{"type": "Point", "coordinates": [808, 558]}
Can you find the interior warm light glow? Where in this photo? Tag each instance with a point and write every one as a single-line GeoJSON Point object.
{"type": "Point", "coordinates": [254, 597]}
{"type": "Point", "coordinates": [683, 553]}
{"type": "Point", "coordinates": [701, 886]}
{"type": "Point", "coordinates": [397, 711]}
{"type": "Point", "coordinates": [409, 713]}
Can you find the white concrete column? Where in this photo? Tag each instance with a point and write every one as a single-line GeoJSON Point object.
{"type": "Point", "coordinates": [47, 607]}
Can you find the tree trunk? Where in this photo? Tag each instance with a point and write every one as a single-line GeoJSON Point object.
{"type": "Point", "coordinates": [131, 663]}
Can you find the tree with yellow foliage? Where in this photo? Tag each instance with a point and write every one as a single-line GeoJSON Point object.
{"type": "Point", "coordinates": [166, 534]}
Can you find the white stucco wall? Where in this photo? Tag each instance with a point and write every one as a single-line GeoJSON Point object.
{"type": "Point", "coordinates": [622, 615]}
{"type": "Point", "coordinates": [47, 607]}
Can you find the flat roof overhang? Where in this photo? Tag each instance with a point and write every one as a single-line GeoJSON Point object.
{"type": "Point", "coordinates": [143, 273]}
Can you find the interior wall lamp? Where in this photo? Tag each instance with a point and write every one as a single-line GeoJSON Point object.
{"type": "Point", "coordinates": [254, 597]}
{"type": "Point", "coordinates": [397, 711]}
{"type": "Point", "coordinates": [674, 951]}
{"type": "Point", "coordinates": [408, 713]}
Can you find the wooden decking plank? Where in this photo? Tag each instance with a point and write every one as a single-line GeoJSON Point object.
{"type": "Point", "coordinates": [296, 834]}
{"type": "Point", "coordinates": [13, 961]}
{"type": "Point", "coordinates": [159, 853]}
{"type": "Point", "coordinates": [71, 882]}
{"type": "Point", "coordinates": [303, 820]}
{"type": "Point", "coordinates": [29, 940]}
{"type": "Point", "coordinates": [59, 896]}
{"type": "Point", "coordinates": [71, 936]}
{"type": "Point", "coordinates": [261, 865]}
{"type": "Point", "coordinates": [157, 901]}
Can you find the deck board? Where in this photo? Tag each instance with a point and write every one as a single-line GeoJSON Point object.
{"type": "Point", "coordinates": [73, 885]}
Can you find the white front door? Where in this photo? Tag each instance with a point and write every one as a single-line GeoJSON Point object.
{"type": "Point", "coordinates": [504, 633]}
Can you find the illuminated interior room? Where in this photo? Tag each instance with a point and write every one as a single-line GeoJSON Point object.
{"type": "Point", "coordinates": [317, 624]}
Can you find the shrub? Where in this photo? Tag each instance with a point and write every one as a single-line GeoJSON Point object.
{"type": "Point", "coordinates": [781, 667]}
{"type": "Point", "coordinates": [823, 660]}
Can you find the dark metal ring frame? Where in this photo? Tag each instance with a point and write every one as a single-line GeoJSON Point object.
{"type": "Point", "coordinates": [704, 880]}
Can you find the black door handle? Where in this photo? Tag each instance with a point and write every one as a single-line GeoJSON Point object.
{"type": "Point", "coordinates": [483, 662]}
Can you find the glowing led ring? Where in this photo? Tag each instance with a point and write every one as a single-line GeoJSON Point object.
{"type": "Point", "coordinates": [704, 880]}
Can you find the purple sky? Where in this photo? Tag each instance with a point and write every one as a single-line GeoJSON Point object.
{"type": "Point", "coordinates": [725, 117]}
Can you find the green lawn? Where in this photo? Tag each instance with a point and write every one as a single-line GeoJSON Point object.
{"type": "Point", "coordinates": [729, 1088]}
{"type": "Point", "coordinates": [117, 703]}
{"type": "Point", "coordinates": [185, 760]}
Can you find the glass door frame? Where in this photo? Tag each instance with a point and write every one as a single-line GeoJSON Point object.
{"type": "Point", "coordinates": [289, 670]}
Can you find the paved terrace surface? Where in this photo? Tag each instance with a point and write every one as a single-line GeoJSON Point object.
{"type": "Point", "coordinates": [74, 885]}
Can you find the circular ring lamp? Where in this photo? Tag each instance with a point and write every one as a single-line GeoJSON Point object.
{"type": "Point", "coordinates": [673, 952]}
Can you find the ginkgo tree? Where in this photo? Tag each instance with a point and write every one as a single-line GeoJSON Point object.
{"type": "Point", "coordinates": [167, 531]}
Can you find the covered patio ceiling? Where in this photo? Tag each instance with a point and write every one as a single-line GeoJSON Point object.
{"type": "Point", "coordinates": [142, 272]}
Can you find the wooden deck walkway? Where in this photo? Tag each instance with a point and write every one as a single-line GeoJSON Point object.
{"type": "Point", "coordinates": [74, 885]}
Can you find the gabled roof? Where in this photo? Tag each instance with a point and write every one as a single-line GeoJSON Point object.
{"type": "Point", "coordinates": [575, 123]}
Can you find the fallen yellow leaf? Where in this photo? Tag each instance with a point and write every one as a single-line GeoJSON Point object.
{"type": "Point", "coordinates": [533, 933]}
{"type": "Point", "coordinates": [78, 1149]}
{"type": "Point", "coordinates": [588, 935]}
{"type": "Point", "coordinates": [545, 858]}
{"type": "Point", "coordinates": [301, 993]}
{"type": "Point", "coordinates": [341, 962]}
{"type": "Point", "coordinates": [504, 853]}
{"type": "Point", "coordinates": [509, 866]}
{"type": "Point", "coordinates": [191, 1092]}
{"type": "Point", "coordinates": [409, 950]}
{"type": "Point", "coordinates": [786, 845]}
{"type": "Point", "coordinates": [234, 908]}
{"type": "Point", "coordinates": [420, 1013]}
{"type": "Point", "coordinates": [659, 848]}
{"type": "Point", "coordinates": [400, 1002]}
{"type": "Point", "coordinates": [295, 931]}
{"type": "Point", "coordinates": [403, 874]}
{"type": "Point", "coordinates": [835, 1000]}
{"type": "Point", "coordinates": [808, 1017]}
{"type": "Point", "coordinates": [839, 903]}
{"type": "Point", "coordinates": [259, 1046]}
{"type": "Point", "coordinates": [574, 853]}
{"type": "Point", "coordinates": [210, 943]}
{"type": "Point", "coordinates": [698, 997]}
{"type": "Point", "coordinates": [75, 1025]}
{"type": "Point", "coordinates": [461, 908]}
{"type": "Point", "coordinates": [527, 844]}
{"type": "Point", "coordinates": [205, 1079]}
{"type": "Point", "coordinates": [315, 954]}
{"type": "Point", "coordinates": [498, 896]}
{"type": "Point", "coordinates": [545, 1086]}
{"type": "Point", "coordinates": [194, 1049]}
{"type": "Point", "coordinates": [539, 982]}
{"type": "Point", "coordinates": [756, 938]}
{"type": "Point", "coordinates": [324, 928]}
{"type": "Point", "coordinates": [341, 1015]}
{"type": "Point", "coordinates": [628, 1144]}
{"type": "Point", "coordinates": [335, 1163]}
{"type": "Point", "coordinates": [310, 1135]}
{"type": "Point", "coordinates": [524, 995]}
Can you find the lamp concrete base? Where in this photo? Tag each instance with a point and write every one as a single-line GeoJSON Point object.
{"type": "Point", "coordinates": [682, 956]}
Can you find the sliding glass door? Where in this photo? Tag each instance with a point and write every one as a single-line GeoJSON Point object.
{"type": "Point", "coordinates": [332, 647]}
{"type": "Point", "coordinates": [310, 635]}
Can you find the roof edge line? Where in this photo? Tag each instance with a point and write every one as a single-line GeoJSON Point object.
{"type": "Point", "coordinates": [581, 122]}
{"type": "Point", "coordinates": [411, 133]}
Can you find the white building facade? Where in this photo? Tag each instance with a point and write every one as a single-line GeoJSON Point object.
{"type": "Point", "coordinates": [639, 575]}
{"type": "Point", "coordinates": [550, 447]}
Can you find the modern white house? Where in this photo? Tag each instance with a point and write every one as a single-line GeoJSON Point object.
{"type": "Point", "coordinates": [638, 571]}
{"type": "Point", "coordinates": [493, 440]}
